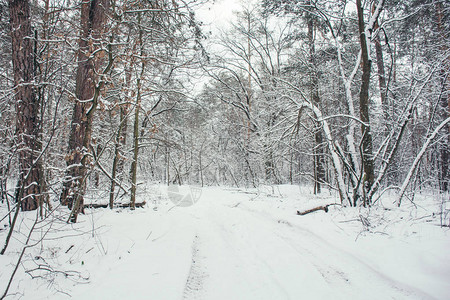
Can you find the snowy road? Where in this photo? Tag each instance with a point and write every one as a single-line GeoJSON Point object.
{"type": "Point", "coordinates": [230, 246]}
{"type": "Point", "coordinates": [243, 254]}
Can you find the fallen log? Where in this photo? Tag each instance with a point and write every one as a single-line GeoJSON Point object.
{"type": "Point", "coordinates": [121, 205]}
{"type": "Point", "coordinates": [322, 207]}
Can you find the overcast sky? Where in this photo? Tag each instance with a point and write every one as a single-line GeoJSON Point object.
{"type": "Point", "coordinates": [217, 14]}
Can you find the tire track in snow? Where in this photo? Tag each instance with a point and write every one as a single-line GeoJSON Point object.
{"type": "Point", "coordinates": [235, 243]}
{"type": "Point", "coordinates": [261, 273]}
{"type": "Point", "coordinates": [330, 274]}
{"type": "Point", "coordinates": [347, 272]}
{"type": "Point", "coordinates": [342, 275]}
{"type": "Point", "coordinates": [193, 288]}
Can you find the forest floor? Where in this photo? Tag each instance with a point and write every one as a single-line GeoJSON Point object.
{"type": "Point", "coordinates": [236, 244]}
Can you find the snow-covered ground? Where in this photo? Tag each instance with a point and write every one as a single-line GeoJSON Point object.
{"type": "Point", "coordinates": [236, 244]}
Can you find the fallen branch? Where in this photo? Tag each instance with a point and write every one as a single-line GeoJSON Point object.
{"type": "Point", "coordinates": [322, 207]}
{"type": "Point", "coordinates": [123, 205]}
{"type": "Point", "coordinates": [70, 248]}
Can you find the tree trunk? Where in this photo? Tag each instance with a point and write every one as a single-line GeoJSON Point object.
{"type": "Point", "coordinates": [444, 178]}
{"type": "Point", "coordinates": [136, 124]}
{"type": "Point", "coordinates": [367, 157]}
{"type": "Point", "coordinates": [135, 146]}
{"type": "Point", "coordinates": [27, 105]}
{"type": "Point", "coordinates": [121, 138]}
{"type": "Point", "coordinates": [93, 14]}
{"type": "Point", "coordinates": [381, 73]}
{"type": "Point", "coordinates": [443, 125]}
{"type": "Point", "coordinates": [380, 66]}
{"type": "Point", "coordinates": [318, 151]}
{"type": "Point", "coordinates": [115, 162]}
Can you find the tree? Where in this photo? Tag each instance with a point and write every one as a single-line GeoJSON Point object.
{"type": "Point", "coordinates": [443, 30]}
{"type": "Point", "coordinates": [27, 106]}
{"type": "Point", "coordinates": [318, 150]}
{"type": "Point", "coordinates": [367, 155]}
{"type": "Point", "coordinates": [137, 109]}
{"type": "Point", "coordinates": [87, 92]}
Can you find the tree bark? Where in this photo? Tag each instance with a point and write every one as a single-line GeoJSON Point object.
{"type": "Point", "coordinates": [134, 163]}
{"type": "Point", "coordinates": [444, 178]}
{"type": "Point", "coordinates": [318, 151]}
{"type": "Point", "coordinates": [381, 73]}
{"type": "Point", "coordinates": [93, 15]}
{"type": "Point", "coordinates": [118, 156]}
{"type": "Point", "coordinates": [367, 157]}
{"type": "Point", "coordinates": [380, 66]}
{"type": "Point", "coordinates": [27, 105]}
{"type": "Point", "coordinates": [135, 146]}
{"type": "Point", "coordinates": [121, 139]}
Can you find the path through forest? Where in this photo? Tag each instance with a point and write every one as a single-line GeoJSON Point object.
{"type": "Point", "coordinates": [240, 253]}
{"type": "Point", "coordinates": [238, 245]}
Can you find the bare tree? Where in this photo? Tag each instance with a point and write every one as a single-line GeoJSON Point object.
{"type": "Point", "coordinates": [443, 32]}
{"type": "Point", "coordinates": [87, 92]}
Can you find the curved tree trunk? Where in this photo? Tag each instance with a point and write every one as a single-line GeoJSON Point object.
{"type": "Point", "coordinates": [92, 18]}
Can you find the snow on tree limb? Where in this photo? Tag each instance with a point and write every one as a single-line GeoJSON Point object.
{"type": "Point", "coordinates": [418, 158]}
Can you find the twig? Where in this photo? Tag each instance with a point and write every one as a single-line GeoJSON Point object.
{"type": "Point", "coordinates": [70, 248]}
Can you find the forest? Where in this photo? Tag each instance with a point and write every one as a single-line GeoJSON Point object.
{"type": "Point", "coordinates": [99, 98]}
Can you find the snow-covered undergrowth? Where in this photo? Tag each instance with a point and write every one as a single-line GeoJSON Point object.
{"type": "Point", "coordinates": [234, 244]}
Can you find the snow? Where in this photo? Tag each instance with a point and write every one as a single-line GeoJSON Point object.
{"type": "Point", "coordinates": [238, 244]}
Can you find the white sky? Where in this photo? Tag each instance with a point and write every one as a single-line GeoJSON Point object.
{"type": "Point", "coordinates": [217, 14]}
